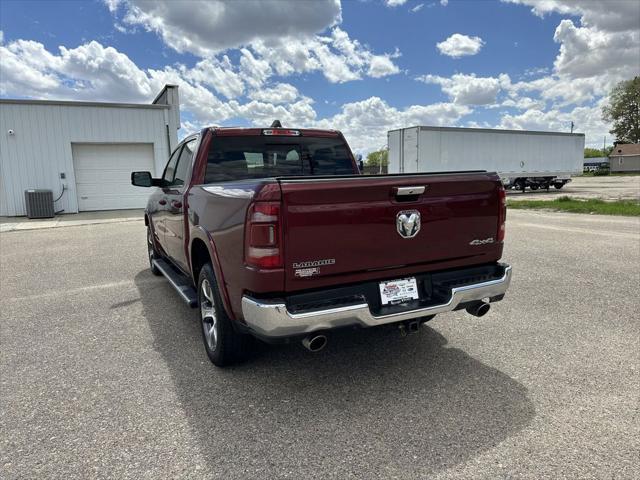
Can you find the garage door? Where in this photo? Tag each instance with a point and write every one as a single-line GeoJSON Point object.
{"type": "Point", "coordinates": [103, 175]}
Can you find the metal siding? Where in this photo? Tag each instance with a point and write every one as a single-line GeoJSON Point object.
{"type": "Point", "coordinates": [41, 147]}
{"type": "Point", "coordinates": [630, 163]}
{"type": "Point", "coordinates": [410, 150]}
{"type": "Point", "coordinates": [393, 142]}
{"type": "Point", "coordinates": [503, 152]}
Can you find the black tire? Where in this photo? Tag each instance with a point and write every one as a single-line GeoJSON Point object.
{"type": "Point", "coordinates": [534, 187]}
{"type": "Point", "coordinates": [558, 185]}
{"type": "Point", "coordinates": [152, 253]}
{"type": "Point", "coordinates": [228, 346]}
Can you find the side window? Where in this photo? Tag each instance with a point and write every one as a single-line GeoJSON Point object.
{"type": "Point", "coordinates": [170, 169]}
{"type": "Point", "coordinates": [183, 163]}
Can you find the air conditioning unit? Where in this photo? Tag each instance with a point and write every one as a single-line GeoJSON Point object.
{"type": "Point", "coordinates": [39, 203]}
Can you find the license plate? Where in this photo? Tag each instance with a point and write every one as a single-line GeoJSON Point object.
{"type": "Point", "coordinates": [398, 291]}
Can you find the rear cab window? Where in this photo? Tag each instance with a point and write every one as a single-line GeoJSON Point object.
{"type": "Point", "coordinates": [254, 157]}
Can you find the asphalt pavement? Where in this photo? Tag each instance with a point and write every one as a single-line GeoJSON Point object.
{"type": "Point", "coordinates": [103, 373]}
{"type": "Point", "coordinates": [613, 187]}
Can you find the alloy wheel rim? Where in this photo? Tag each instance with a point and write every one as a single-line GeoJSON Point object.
{"type": "Point", "coordinates": [208, 315]}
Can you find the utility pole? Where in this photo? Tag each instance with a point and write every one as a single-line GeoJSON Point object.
{"type": "Point", "coordinates": [604, 146]}
{"type": "Point", "coordinates": [571, 126]}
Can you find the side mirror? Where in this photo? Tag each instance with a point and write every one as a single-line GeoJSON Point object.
{"type": "Point", "coordinates": [141, 179]}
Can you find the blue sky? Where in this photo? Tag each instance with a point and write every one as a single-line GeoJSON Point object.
{"type": "Point", "coordinates": [360, 66]}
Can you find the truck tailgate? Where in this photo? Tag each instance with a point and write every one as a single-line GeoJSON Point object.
{"type": "Point", "coordinates": [341, 230]}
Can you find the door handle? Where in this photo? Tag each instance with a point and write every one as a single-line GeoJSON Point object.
{"type": "Point", "coordinates": [402, 191]}
{"type": "Point", "coordinates": [176, 204]}
{"type": "Point", "coordinates": [162, 202]}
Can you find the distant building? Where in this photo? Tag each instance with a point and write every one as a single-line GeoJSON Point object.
{"type": "Point", "coordinates": [84, 152]}
{"type": "Point", "coordinates": [625, 158]}
{"type": "Point", "coordinates": [595, 163]}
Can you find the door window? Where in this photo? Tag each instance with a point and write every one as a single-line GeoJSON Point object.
{"type": "Point", "coordinates": [183, 163]}
{"type": "Point", "coordinates": [176, 171]}
{"type": "Point", "coordinates": [170, 169]}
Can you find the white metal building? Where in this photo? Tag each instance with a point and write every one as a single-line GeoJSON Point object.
{"type": "Point", "coordinates": [87, 148]}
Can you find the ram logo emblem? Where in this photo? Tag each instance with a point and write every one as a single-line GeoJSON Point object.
{"type": "Point", "coordinates": [408, 223]}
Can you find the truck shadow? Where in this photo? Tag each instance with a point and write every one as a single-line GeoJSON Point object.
{"type": "Point", "coordinates": [372, 404]}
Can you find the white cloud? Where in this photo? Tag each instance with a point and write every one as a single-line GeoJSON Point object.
{"type": "Point", "coordinates": [585, 52]}
{"type": "Point", "coordinates": [219, 74]}
{"type": "Point", "coordinates": [606, 44]}
{"type": "Point", "coordinates": [444, 3]}
{"type": "Point", "coordinates": [458, 45]}
{"type": "Point", "coordinates": [523, 103]}
{"type": "Point", "coordinates": [210, 26]}
{"type": "Point", "coordinates": [417, 8]}
{"type": "Point", "coordinates": [299, 113]}
{"type": "Point", "coordinates": [87, 72]}
{"type": "Point", "coordinates": [395, 3]}
{"type": "Point", "coordinates": [255, 71]}
{"type": "Point", "coordinates": [280, 93]}
{"type": "Point", "coordinates": [593, 56]}
{"type": "Point", "coordinates": [275, 37]}
{"type": "Point", "coordinates": [586, 120]}
{"type": "Point", "coordinates": [469, 89]}
{"type": "Point", "coordinates": [536, 71]}
{"type": "Point", "coordinates": [338, 57]}
{"type": "Point", "coordinates": [610, 15]}
{"type": "Point", "coordinates": [365, 123]}
{"type": "Point", "coordinates": [381, 66]}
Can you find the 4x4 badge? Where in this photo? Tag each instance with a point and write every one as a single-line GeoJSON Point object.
{"type": "Point", "coordinates": [481, 242]}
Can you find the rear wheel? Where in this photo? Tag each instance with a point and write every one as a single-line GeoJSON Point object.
{"type": "Point", "coordinates": [558, 185]}
{"type": "Point", "coordinates": [152, 253]}
{"type": "Point", "coordinates": [224, 346]}
{"type": "Point", "coordinates": [534, 187]}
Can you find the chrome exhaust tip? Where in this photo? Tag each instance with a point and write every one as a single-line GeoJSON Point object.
{"type": "Point", "coordinates": [409, 327]}
{"type": "Point", "coordinates": [314, 343]}
{"type": "Point", "coordinates": [479, 309]}
{"type": "Point", "coordinates": [414, 326]}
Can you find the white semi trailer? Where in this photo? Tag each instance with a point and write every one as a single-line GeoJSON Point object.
{"type": "Point", "coordinates": [521, 158]}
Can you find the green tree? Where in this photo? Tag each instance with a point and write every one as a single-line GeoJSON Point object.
{"type": "Point", "coordinates": [377, 158]}
{"type": "Point", "coordinates": [592, 153]}
{"type": "Point", "coordinates": [596, 152]}
{"type": "Point", "coordinates": [623, 111]}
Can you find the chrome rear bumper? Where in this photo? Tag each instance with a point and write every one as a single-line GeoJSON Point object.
{"type": "Point", "coordinates": [272, 319]}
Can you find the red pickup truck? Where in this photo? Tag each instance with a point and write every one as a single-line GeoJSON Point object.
{"type": "Point", "coordinates": [273, 233]}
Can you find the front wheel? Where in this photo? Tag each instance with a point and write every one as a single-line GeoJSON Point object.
{"type": "Point", "coordinates": [558, 185]}
{"type": "Point", "coordinates": [224, 346]}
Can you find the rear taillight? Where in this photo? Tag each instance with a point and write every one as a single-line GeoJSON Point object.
{"type": "Point", "coordinates": [502, 212]}
{"type": "Point", "coordinates": [263, 236]}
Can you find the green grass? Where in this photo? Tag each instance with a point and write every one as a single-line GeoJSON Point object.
{"type": "Point", "coordinates": [568, 204]}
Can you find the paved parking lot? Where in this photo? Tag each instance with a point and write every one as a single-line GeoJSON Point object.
{"type": "Point", "coordinates": [103, 374]}
{"type": "Point", "coordinates": [613, 187]}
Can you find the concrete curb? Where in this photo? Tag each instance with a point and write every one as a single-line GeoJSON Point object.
{"type": "Point", "coordinates": [10, 224]}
